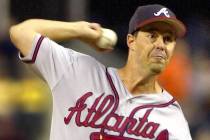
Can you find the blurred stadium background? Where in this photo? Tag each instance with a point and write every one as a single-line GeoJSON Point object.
{"type": "Point", "coordinates": [25, 100]}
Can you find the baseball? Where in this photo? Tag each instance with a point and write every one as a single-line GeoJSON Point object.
{"type": "Point", "coordinates": [108, 39]}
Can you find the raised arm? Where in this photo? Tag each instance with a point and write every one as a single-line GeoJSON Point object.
{"type": "Point", "coordinates": [22, 34]}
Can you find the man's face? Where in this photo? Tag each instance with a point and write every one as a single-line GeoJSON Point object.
{"type": "Point", "coordinates": [152, 46]}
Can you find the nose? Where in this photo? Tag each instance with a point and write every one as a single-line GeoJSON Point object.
{"type": "Point", "coordinates": [159, 43]}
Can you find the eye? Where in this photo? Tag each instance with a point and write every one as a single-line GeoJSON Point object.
{"type": "Point", "coordinates": [152, 35]}
{"type": "Point", "coordinates": [168, 39]}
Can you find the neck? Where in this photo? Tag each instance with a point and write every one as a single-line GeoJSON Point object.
{"type": "Point", "coordinates": [138, 80]}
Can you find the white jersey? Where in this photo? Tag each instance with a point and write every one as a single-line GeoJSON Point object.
{"type": "Point", "coordinates": [90, 101]}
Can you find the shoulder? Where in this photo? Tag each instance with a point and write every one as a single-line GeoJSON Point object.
{"type": "Point", "coordinates": [87, 62]}
{"type": "Point", "coordinates": [72, 56]}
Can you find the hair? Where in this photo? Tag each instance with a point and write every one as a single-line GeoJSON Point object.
{"type": "Point", "coordinates": [135, 33]}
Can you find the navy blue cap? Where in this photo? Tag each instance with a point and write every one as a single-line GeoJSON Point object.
{"type": "Point", "coordinates": [147, 14]}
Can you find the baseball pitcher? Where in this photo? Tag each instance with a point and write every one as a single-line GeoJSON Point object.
{"type": "Point", "coordinates": [95, 102]}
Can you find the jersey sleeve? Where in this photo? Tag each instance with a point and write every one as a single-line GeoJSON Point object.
{"type": "Point", "coordinates": [49, 59]}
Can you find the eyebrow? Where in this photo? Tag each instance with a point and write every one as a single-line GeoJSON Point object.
{"type": "Point", "coordinates": [152, 29]}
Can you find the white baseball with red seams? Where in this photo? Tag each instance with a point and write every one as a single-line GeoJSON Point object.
{"type": "Point", "coordinates": [108, 39]}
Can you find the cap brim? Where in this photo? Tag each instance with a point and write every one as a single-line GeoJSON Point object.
{"type": "Point", "coordinates": [179, 27]}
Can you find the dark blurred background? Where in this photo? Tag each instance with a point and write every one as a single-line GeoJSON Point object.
{"type": "Point", "coordinates": [25, 100]}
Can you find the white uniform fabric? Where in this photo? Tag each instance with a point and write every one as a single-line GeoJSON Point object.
{"type": "Point", "coordinates": [90, 103]}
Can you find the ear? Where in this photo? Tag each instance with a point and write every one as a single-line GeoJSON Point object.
{"type": "Point", "coordinates": [130, 41]}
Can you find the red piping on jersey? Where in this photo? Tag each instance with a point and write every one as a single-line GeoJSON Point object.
{"type": "Point", "coordinates": [113, 89]}
{"type": "Point", "coordinates": [151, 106]}
{"type": "Point", "coordinates": [35, 51]}
{"type": "Point", "coordinates": [139, 107]}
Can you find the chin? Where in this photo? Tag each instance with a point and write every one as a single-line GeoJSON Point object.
{"type": "Point", "coordinates": [157, 68]}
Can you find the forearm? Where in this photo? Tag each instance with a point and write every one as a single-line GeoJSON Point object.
{"type": "Point", "coordinates": [56, 30]}
{"type": "Point", "coordinates": [22, 34]}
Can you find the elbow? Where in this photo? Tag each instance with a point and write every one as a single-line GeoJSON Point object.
{"type": "Point", "coordinates": [18, 32]}
{"type": "Point", "coordinates": [21, 35]}
{"type": "Point", "coordinates": [21, 31]}
{"type": "Point", "coordinates": [15, 33]}
{"type": "Point", "coordinates": [12, 32]}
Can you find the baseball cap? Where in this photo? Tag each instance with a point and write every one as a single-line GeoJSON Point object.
{"type": "Point", "coordinates": [147, 14]}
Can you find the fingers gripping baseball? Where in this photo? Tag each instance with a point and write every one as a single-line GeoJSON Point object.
{"type": "Point", "coordinates": [101, 39]}
{"type": "Point", "coordinates": [88, 32]}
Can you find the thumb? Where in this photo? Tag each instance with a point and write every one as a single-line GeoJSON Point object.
{"type": "Point", "coordinates": [97, 29]}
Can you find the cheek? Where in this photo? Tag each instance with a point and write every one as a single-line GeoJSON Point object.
{"type": "Point", "coordinates": [171, 48]}
{"type": "Point", "coordinates": [143, 45]}
{"type": "Point", "coordinates": [142, 50]}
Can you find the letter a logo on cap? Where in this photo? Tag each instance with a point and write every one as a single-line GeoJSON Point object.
{"type": "Point", "coordinates": [164, 11]}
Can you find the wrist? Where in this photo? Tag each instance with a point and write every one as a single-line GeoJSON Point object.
{"type": "Point", "coordinates": [74, 30]}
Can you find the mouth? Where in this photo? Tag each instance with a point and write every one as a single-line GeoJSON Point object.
{"type": "Point", "coordinates": [159, 54]}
